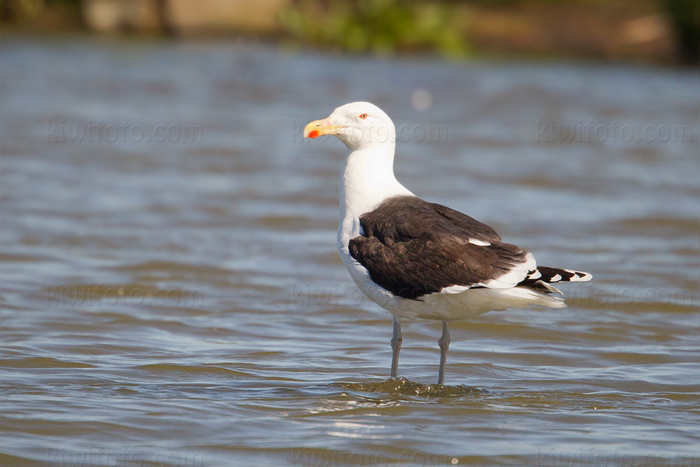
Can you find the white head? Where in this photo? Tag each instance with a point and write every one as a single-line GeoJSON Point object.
{"type": "Point", "coordinates": [360, 125]}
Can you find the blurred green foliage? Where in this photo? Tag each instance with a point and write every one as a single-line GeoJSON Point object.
{"type": "Point", "coordinates": [684, 16]}
{"type": "Point", "coordinates": [27, 10]}
{"type": "Point", "coordinates": [385, 26]}
{"type": "Point", "coordinates": [378, 26]}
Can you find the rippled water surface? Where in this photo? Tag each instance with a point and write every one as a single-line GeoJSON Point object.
{"type": "Point", "coordinates": [171, 294]}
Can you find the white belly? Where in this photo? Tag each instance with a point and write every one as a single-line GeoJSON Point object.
{"type": "Point", "coordinates": [438, 306]}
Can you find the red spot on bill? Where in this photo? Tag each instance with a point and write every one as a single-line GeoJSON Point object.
{"type": "Point", "coordinates": [313, 134]}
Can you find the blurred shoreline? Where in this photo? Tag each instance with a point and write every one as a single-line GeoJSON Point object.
{"type": "Point", "coordinates": [646, 31]}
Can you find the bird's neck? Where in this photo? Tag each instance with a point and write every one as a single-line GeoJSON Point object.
{"type": "Point", "coordinates": [367, 180]}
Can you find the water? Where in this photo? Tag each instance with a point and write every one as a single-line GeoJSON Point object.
{"type": "Point", "coordinates": [179, 302]}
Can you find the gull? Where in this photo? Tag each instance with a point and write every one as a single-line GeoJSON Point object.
{"type": "Point", "coordinates": [417, 259]}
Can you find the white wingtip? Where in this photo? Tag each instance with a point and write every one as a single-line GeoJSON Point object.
{"type": "Point", "coordinates": [579, 276]}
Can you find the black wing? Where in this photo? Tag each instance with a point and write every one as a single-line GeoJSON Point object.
{"type": "Point", "coordinates": [413, 248]}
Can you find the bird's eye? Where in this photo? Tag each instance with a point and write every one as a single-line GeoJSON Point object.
{"type": "Point", "coordinates": [363, 116]}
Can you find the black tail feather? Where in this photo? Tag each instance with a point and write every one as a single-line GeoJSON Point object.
{"type": "Point", "coordinates": [545, 275]}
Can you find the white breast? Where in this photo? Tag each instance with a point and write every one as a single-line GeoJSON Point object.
{"type": "Point", "coordinates": [366, 181]}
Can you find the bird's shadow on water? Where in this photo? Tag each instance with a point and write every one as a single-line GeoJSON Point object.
{"type": "Point", "coordinates": [404, 387]}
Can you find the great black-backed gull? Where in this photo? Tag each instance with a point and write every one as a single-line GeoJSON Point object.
{"type": "Point", "coordinates": [416, 259]}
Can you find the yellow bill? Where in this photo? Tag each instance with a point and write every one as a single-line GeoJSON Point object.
{"type": "Point", "coordinates": [320, 128]}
